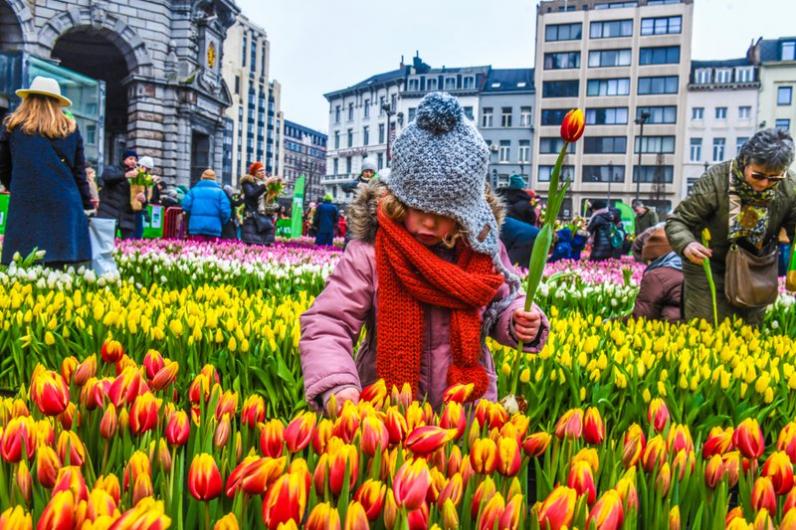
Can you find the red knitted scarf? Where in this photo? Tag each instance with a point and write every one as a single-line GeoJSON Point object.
{"type": "Point", "coordinates": [411, 275]}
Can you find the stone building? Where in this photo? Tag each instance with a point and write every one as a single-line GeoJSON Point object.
{"type": "Point", "coordinates": [305, 155]}
{"type": "Point", "coordinates": [154, 68]}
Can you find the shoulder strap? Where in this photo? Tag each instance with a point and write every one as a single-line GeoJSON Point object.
{"type": "Point", "coordinates": [59, 153]}
{"type": "Point", "coordinates": [734, 199]}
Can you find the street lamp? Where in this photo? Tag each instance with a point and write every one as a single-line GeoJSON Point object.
{"type": "Point", "coordinates": [641, 120]}
{"type": "Point", "coordinates": [387, 108]}
{"type": "Point", "coordinates": [706, 166]}
{"type": "Point", "coordinates": [610, 178]}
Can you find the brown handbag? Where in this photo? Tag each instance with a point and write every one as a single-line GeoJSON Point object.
{"type": "Point", "coordinates": [750, 281]}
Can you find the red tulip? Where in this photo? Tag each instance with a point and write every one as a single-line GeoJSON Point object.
{"type": "Point", "coordinates": [111, 351]}
{"type": "Point", "coordinates": [396, 425]}
{"type": "Point", "coordinates": [418, 519]}
{"type": "Point", "coordinates": [142, 488]}
{"type": "Point", "coordinates": [204, 478]}
{"type": "Point", "coordinates": [459, 393]}
{"type": "Point", "coordinates": [654, 454]}
{"type": "Point", "coordinates": [178, 428]}
{"type": "Point", "coordinates": [49, 391]}
{"type": "Point", "coordinates": [593, 426]}
{"type": "Point", "coordinates": [47, 466]}
{"type": "Point", "coordinates": [371, 496]}
{"type": "Point", "coordinates": [510, 520]}
{"type": "Point", "coordinates": [683, 461]}
{"type": "Point", "coordinates": [779, 469]}
{"type": "Point", "coordinates": [679, 439]}
{"type": "Point", "coordinates": [491, 415]}
{"type": "Point", "coordinates": [331, 467]}
{"type": "Point", "coordinates": [375, 437]}
{"type": "Point", "coordinates": [253, 411]}
{"type": "Point", "coordinates": [347, 423]}
{"type": "Point", "coordinates": [375, 394]}
{"type": "Point", "coordinates": [137, 465]}
{"type": "Point", "coordinates": [18, 437]}
{"type": "Point", "coordinates": [286, 500]}
{"type": "Point", "coordinates": [411, 484]}
{"type": "Point", "coordinates": [748, 438]}
{"type": "Point", "coordinates": [607, 513]}
{"type": "Point", "coordinates": [24, 481]}
{"type": "Point", "coordinates": [199, 389]}
{"type": "Point", "coordinates": [427, 439]}
{"type": "Point", "coordinates": [452, 491]}
{"type": "Point", "coordinates": [485, 490]}
{"type": "Point", "coordinates": [321, 435]}
{"type": "Point", "coordinates": [298, 432]}
{"type": "Point", "coordinates": [85, 370]}
{"type": "Point", "coordinates": [634, 444]}
{"type": "Point", "coordinates": [732, 467]}
{"type": "Point", "coordinates": [714, 471]}
{"type": "Point", "coordinates": [59, 513]}
{"type": "Point", "coordinates": [144, 413]}
{"type": "Point", "coordinates": [490, 515]}
{"type": "Point", "coordinates": [718, 442]}
{"type": "Point", "coordinates": [581, 479]}
{"type": "Point", "coordinates": [71, 479]}
{"type": "Point", "coordinates": [508, 456]}
{"type": "Point", "coordinates": [763, 495]}
{"type": "Point", "coordinates": [454, 417]}
{"type": "Point", "coordinates": [165, 376]}
{"type": "Point", "coordinates": [536, 444]}
{"type": "Point", "coordinates": [626, 487]}
{"type": "Point", "coordinates": [153, 362]}
{"type": "Point", "coordinates": [255, 474]}
{"type": "Point", "coordinates": [658, 414]}
{"type": "Point", "coordinates": [71, 449]}
{"type": "Point", "coordinates": [127, 386]}
{"type": "Point", "coordinates": [222, 432]}
{"type": "Point", "coordinates": [558, 509]}
{"type": "Point", "coordinates": [227, 404]}
{"type": "Point", "coordinates": [570, 425]}
{"type": "Point", "coordinates": [790, 501]}
{"type": "Point", "coordinates": [483, 456]}
{"type": "Point", "coordinates": [148, 514]}
{"type": "Point", "coordinates": [271, 438]}
{"type": "Point", "coordinates": [323, 517]}
{"type": "Point", "coordinates": [573, 125]}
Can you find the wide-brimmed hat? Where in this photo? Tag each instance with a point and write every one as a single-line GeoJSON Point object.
{"type": "Point", "coordinates": [45, 86]}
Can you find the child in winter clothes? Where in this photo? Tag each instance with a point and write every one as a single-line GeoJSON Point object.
{"type": "Point", "coordinates": [425, 273]}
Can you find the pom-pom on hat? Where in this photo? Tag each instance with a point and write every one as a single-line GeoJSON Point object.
{"type": "Point", "coordinates": [439, 165]}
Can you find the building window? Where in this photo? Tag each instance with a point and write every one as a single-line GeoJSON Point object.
{"type": "Point", "coordinates": [608, 87]}
{"type": "Point", "coordinates": [721, 113]}
{"type": "Point", "coordinates": [604, 144]}
{"type": "Point", "coordinates": [784, 95]}
{"type": "Point", "coordinates": [553, 32]}
{"type": "Point", "coordinates": [469, 82]}
{"type": "Point", "coordinates": [382, 102]}
{"type": "Point", "coordinates": [525, 116]}
{"type": "Point", "coordinates": [414, 84]}
{"type": "Point", "coordinates": [366, 109]}
{"type": "Point", "coordinates": [788, 51]}
{"type": "Point", "coordinates": [561, 61]}
{"type": "Point", "coordinates": [698, 113]}
{"type": "Point", "coordinates": [468, 111]}
{"type": "Point", "coordinates": [654, 174]}
{"type": "Point", "coordinates": [350, 135]}
{"type": "Point", "coordinates": [553, 145]}
{"type": "Point", "coordinates": [696, 149]}
{"type": "Point", "coordinates": [610, 29]}
{"type": "Point", "coordinates": [337, 139]}
{"type": "Point", "coordinates": [381, 133]}
{"type": "Point", "coordinates": [744, 113]}
{"type": "Point", "coordinates": [525, 151]}
{"type": "Point", "coordinates": [365, 135]}
{"type": "Point", "coordinates": [505, 151]}
{"type": "Point", "coordinates": [244, 49]}
{"type": "Point", "coordinates": [336, 166]}
{"type": "Point", "coordinates": [724, 76]}
{"type": "Point", "coordinates": [603, 58]}
{"type": "Point", "coordinates": [703, 76]}
{"type": "Point", "coordinates": [553, 116]}
{"type": "Point", "coordinates": [782, 124]}
{"type": "Point", "coordinates": [337, 114]}
{"type": "Point", "coordinates": [659, 55]}
{"type": "Point", "coordinates": [380, 160]}
{"type": "Point", "coordinates": [450, 83]}
{"type": "Point", "coordinates": [655, 144]}
{"type": "Point", "coordinates": [560, 89]}
{"type": "Point", "coordinates": [544, 173]}
{"type": "Point", "coordinates": [718, 149]}
{"type": "Point", "coordinates": [601, 173]}
{"type": "Point", "coordinates": [412, 113]}
{"type": "Point", "coordinates": [431, 83]}
{"type": "Point", "coordinates": [486, 117]}
{"type": "Point", "coordinates": [658, 114]}
{"type": "Point", "coordinates": [606, 116]}
{"type": "Point", "coordinates": [657, 85]}
{"type": "Point", "coordinates": [350, 112]}
{"type": "Point", "coordinates": [739, 143]}
{"type": "Point", "coordinates": [745, 74]}
{"type": "Point", "coordinates": [661, 25]}
{"type": "Point", "coordinates": [505, 117]}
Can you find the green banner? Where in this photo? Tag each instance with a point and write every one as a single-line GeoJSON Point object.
{"type": "Point", "coordinates": [297, 219]}
{"type": "Point", "coordinates": [3, 211]}
{"type": "Point", "coordinates": [154, 227]}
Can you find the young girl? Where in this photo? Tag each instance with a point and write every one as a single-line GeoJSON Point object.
{"type": "Point", "coordinates": [425, 273]}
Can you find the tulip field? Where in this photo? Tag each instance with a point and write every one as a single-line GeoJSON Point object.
{"type": "Point", "coordinates": [171, 396]}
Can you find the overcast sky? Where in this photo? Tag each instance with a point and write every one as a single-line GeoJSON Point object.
{"type": "Point", "coordinates": [322, 45]}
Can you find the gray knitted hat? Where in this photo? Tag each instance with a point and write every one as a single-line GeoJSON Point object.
{"type": "Point", "coordinates": [439, 165]}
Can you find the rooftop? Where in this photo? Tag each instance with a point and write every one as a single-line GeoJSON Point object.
{"type": "Point", "coordinates": [509, 80]}
{"type": "Point", "coordinates": [304, 129]}
{"type": "Point", "coordinates": [771, 50]}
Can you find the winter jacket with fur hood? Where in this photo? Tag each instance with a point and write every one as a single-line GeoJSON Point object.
{"type": "Point", "coordinates": [331, 327]}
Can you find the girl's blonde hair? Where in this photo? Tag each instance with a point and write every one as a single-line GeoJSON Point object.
{"type": "Point", "coordinates": [40, 115]}
{"type": "Point", "coordinates": [396, 210]}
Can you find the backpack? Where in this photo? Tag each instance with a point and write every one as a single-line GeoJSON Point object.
{"type": "Point", "coordinates": [617, 236]}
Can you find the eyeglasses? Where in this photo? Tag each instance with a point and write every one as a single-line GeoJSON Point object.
{"type": "Point", "coordinates": [771, 178]}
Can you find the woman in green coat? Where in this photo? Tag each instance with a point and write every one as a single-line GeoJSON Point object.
{"type": "Point", "coordinates": [767, 193]}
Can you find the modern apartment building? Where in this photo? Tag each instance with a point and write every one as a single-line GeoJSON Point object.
{"type": "Point", "coordinates": [623, 62]}
{"type": "Point", "coordinates": [777, 101]}
{"type": "Point", "coordinates": [305, 155]}
{"type": "Point", "coordinates": [721, 113]}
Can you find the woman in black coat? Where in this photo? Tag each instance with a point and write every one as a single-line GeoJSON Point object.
{"type": "Point", "coordinates": [258, 227]}
{"type": "Point", "coordinates": [115, 195]}
{"type": "Point", "coordinates": [42, 164]}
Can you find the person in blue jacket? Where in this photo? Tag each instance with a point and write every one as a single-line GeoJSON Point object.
{"type": "Point", "coordinates": [518, 238]}
{"type": "Point", "coordinates": [325, 222]}
{"type": "Point", "coordinates": [208, 208]}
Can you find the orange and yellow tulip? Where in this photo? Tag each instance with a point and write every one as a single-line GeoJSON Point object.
{"type": "Point", "coordinates": [581, 479]}
{"type": "Point", "coordinates": [374, 436]}
{"type": "Point", "coordinates": [427, 439]}
{"type": "Point", "coordinates": [607, 513]}
{"type": "Point", "coordinates": [47, 466]}
{"type": "Point", "coordinates": [323, 517]}
{"type": "Point", "coordinates": [763, 495]}
{"type": "Point", "coordinates": [658, 414]}
{"type": "Point", "coordinates": [70, 448]}
{"type": "Point", "coordinates": [558, 509]}
{"type": "Point", "coordinates": [253, 411]}
{"type": "Point", "coordinates": [49, 391]}
{"type": "Point", "coordinates": [271, 438]}
{"type": "Point", "coordinates": [16, 519]}
{"type": "Point", "coordinates": [355, 517]}
{"type": "Point", "coordinates": [204, 478]}
{"type": "Point", "coordinates": [228, 522]}
{"type": "Point", "coordinates": [570, 425]}
{"type": "Point", "coordinates": [779, 469]}
{"type": "Point", "coordinates": [18, 439]}
{"type": "Point", "coordinates": [111, 351]}
{"type": "Point", "coordinates": [144, 413]}
{"type": "Point", "coordinates": [573, 125]}
{"type": "Point", "coordinates": [371, 496]}
{"type": "Point", "coordinates": [593, 426]}
{"type": "Point", "coordinates": [483, 456]}
{"type": "Point", "coordinates": [508, 456]}
{"type": "Point", "coordinates": [375, 394]}
{"type": "Point", "coordinates": [59, 513]}
{"type": "Point", "coordinates": [491, 513]}
{"type": "Point", "coordinates": [748, 438]}
{"type": "Point", "coordinates": [718, 442]}
{"type": "Point", "coordinates": [411, 484]}
{"type": "Point", "coordinates": [459, 393]}
{"type": "Point", "coordinates": [148, 514]}
{"type": "Point", "coordinates": [286, 500]}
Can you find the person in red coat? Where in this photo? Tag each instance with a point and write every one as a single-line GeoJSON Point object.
{"type": "Point", "coordinates": [661, 291]}
{"type": "Point", "coordinates": [342, 226]}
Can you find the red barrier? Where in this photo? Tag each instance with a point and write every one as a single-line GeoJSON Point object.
{"type": "Point", "coordinates": [173, 223]}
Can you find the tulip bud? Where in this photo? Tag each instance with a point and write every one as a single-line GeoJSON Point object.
{"type": "Point", "coordinates": [459, 393]}
{"type": "Point", "coordinates": [489, 516]}
{"type": "Point", "coordinates": [573, 125]}
{"type": "Point", "coordinates": [658, 414]}
{"type": "Point", "coordinates": [59, 512]}
{"type": "Point", "coordinates": [593, 427]}
{"type": "Point", "coordinates": [763, 495]}
{"type": "Point", "coordinates": [396, 425]}
{"type": "Point", "coordinates": [17, 438]}
{"type": "Point", "coordinates": [178, 428]}
{"type": "Point", "coordinates": [323, 517]}
{"type": "Point", "coordinates": [142, 488]}
{"type": "Point", "coordinates": [450, 516]}
{"type": "Point", "coordinates": [375, 394]}
{"type": "Point", "coordinates": [654, 454]}
{"type": "Point", "coordinates": [144, 413]}
{"type": "Point", "coordinates": [298, 432]}
{"type": "Point", "coordinates": [375, 437]}
{"type": "Point", "coordinates": [483, 493]}
{"type": "Point", "coordinates": [558, 509]}
{"type": "Point", "coordinates": [24, 481]}
{"type": "Point", "coordinates": [153, 362]}
{"type": "Point", "coordinates": [427, 439]}
{"type": "Point", "coordinates": [588, 455]}
{"type": "Point", "coordinates": [110, 484]}
{"type": "Point", "coordinates": [253, 411]}
{"type": "Point", "coordinates": [536, 444]}
{"type": "Point", "coordinates": [47, 466]}
{"type": "Point", "coordinates": [148, 513]}
{"type": "Point", "coordinates": [779, 469]}
{"type": "Point", "coordinates": [371, 496]}
{"type": "Point", "coordinates": [718, 442]}
{"type": "Point", "coordinates": [454, 417]}
{"type": "Point", "coordinates": [347, 423]}
{"type": "Point", "coordinates": [483, 456]}
{"type": "Point", "coordinates": [664, 479]}
{"type": "Point", "coordinates": [788, 520]}
{"type": "Point", "coordinates": [16, 519]}
{"type": "Point", "coordinates": [68, 367]}
{"type": "Point", "coordinates": [508, 456]}
{"type": "Point", "coordinates": [228, 522]}
{"type": "Point", "coordinates": [165, 376]}
{"type": "Point", "coordinates": [355, 517]}
{"type": "Point", "coordinates": [763, 521]}
{"type": "Point", "coordinates": [204, 478]}
{"type": "Point", "coordinates": [679, 439]}
{"type": "Point", "coordinates": [111, 351]}
{"type": "Point", "coordinates": [85, 371]}
{"type": "Point", "coordinates": [581, 479]}
{"type": "Point", "coordinates": [748, 438]}
{"type": "Point", "coordinates": [390, 510]}
{"type": "Point", "coordinates": [570, 425]}
{"type": "Point", "coordinates": [607, 513]}
{"type": "Point", "coordinates": [222, 432]}
{"type": "Point", "coordinates": [271, 438]}
{"type": "Point", "coordinates": [71, 479]}
{"type": "Point", "coordinates": [411, 484]}
{"type": "Point", "coordinates": [286, 500]}
{"type": "Point", "coordinates": [49, 391]}
{"type": "Point", "coordinates": [70, 449]}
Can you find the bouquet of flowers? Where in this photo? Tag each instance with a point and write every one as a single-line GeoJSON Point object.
{"type": "Point", "coordinates": [138, 185]}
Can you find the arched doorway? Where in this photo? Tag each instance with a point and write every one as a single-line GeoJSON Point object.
{"type": "Point", "coordinates": [91, 52]}
{"type": "Point", "coordinates": [11, 37]}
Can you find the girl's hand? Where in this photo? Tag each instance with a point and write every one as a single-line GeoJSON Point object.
{"type": "Point", "coordinates": [526, 324]}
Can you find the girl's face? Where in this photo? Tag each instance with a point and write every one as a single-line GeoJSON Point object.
{"type": "Point", "coordinates": [428, 228]}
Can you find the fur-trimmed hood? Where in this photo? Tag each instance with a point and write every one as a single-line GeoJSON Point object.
{"type": "Point", "coordinates": [362, 219]}
{"type": "Point", "coordinates": [248, 178]}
